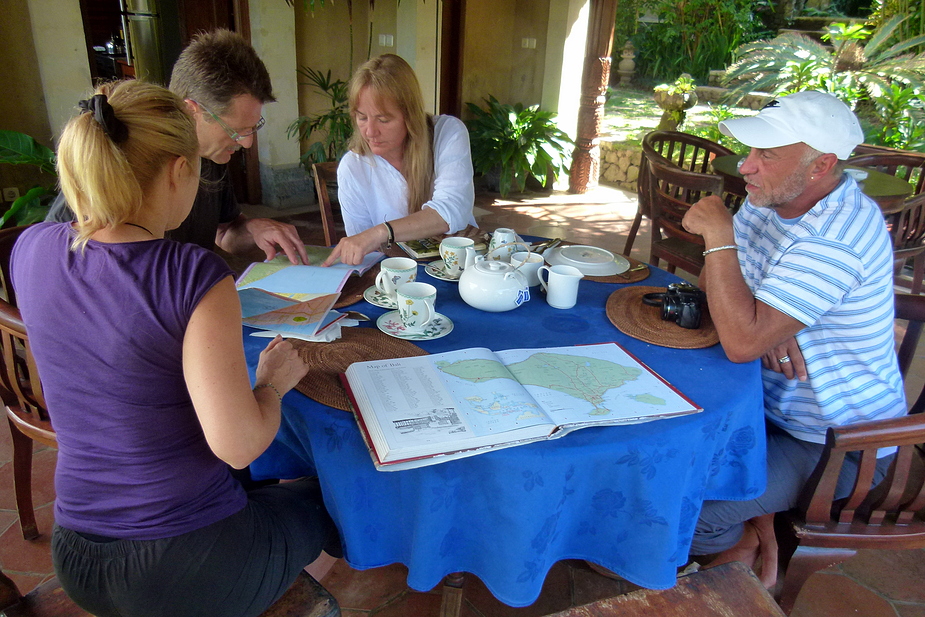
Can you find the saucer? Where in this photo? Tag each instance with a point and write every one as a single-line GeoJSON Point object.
{"type": "Point", "coordinates": [439, 326]}
{"type": "Point", "coordinates": [374, 296]}
{"type": "Point", "coordinates": [437, 269]}
{"type": "Point", "coordinates": [590, 260]}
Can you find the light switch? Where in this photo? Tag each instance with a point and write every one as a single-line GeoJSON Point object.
{"type": "Point", "coordinates": [528, 43]}
{"type": "Point", "coordinates": [386, 40]}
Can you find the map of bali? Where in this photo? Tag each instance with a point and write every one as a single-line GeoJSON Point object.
{"type": "Point", "coordinates": [585, 378]}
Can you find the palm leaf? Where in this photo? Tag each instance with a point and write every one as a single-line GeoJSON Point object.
{"type": "Point", "coordinates": [21, 149]}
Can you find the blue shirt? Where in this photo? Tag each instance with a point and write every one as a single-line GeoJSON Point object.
{"type": "Point", "coordinates": [831, 269]}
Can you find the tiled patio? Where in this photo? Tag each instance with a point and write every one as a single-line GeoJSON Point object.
{"type": "Point", "coordinates": [873, 584]}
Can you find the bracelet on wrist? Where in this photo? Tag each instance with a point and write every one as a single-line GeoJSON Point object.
{"type": "Point", "coordinates": [391, 239]}
{"type": "Point", "coordinates": [272, 387]}
{"type": "Point", "coordinates": [727, 247]}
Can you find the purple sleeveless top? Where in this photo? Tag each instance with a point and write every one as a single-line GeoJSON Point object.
{"type": "Point", "coordinates": [106, 327]}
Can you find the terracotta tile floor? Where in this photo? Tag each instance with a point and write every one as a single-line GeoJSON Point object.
{"type": "Point", "coordinates": [872, 584]}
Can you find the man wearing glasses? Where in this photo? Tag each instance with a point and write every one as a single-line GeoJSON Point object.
{"type": "Point", "coordinates": [225, 85]}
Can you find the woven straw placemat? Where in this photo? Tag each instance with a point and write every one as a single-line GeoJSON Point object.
{"type": "Point", "coordinates": [641, 321]}
{"type": "Point", "coordinates": [627, 277]}
{"type": "Point", "coordinates": [355, 286]}
{"type": "Point", "coordinates": [327, 361]}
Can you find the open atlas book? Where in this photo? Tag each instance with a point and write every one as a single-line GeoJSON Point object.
{"type": "Point", "coordinates": [430, 409]}
{"type": "Point", "coordinates": [295, 300]}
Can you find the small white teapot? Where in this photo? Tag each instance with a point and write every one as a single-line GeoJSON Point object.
{"type": "Point", "coordinates": [493, 286]}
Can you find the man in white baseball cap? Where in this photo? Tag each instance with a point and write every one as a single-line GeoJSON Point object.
{"type": "Point", "coordinates": [801, 278]}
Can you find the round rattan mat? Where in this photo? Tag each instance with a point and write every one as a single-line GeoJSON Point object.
{"type": "Point", "coordinates": [327, 361]}
{"type": "Point", "coordinates": [630, 276]}
{"type": "Point", "coordinates": [355, 286]}
{"type": "Point", "coordinates": [633, 318]}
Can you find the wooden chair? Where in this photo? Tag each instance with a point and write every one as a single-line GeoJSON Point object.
{"type": "Point", "coordinates": [907, 226]}
{"type": "Point", "coordinates": [672, 193]}
{"type": "Point", "coordinates": [46, 600]}
{"type": "Point", "coordinates": [820, 531]}
{"type": "Point", "coordinates": [326, 173]}
{"type": "Point", "coordinates": [729, 589]}
{"type": "Point", "coordinates": [305, 598]}
{"type": "Point", "coordinates": [26, 411]}
{"type": "Point", "coordinates": [21, 392]}
{"type": "Point", "coordinates": [684, 151]}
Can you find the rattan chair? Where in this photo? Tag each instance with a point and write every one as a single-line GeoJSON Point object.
{"type": "Point", "coordinates": [683, 151]}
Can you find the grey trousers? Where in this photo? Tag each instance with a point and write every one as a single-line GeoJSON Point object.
{"type": "Point", "coordinates": [790, 463]}
{"type": "Point", "coordinates": [236, 567]}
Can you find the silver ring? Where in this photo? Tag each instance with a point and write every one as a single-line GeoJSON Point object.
{"type": "Point", "coordinates": [783, 360]}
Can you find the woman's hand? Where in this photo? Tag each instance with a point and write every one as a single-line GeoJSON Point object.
{"type": "Point", "coordinates": [352, 249]}
{"type": "Point", "coordinates": [281, 365]}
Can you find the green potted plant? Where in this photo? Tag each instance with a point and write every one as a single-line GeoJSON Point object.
{"type": "Point", "coordinates": [332, 123]}
{"type": "Point", "coordinates": [675, 99]}
{"type": "Point", "coordinates": [518, 142]}
{"type": "Point", "coordinates": [21, 149]}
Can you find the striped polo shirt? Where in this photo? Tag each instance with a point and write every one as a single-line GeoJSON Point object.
{"type": "Point", "coordinates": [831, 269]}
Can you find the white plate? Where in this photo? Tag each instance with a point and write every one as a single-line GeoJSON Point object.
{"type": "Point", "coordinates": [590, 260]}
{"type": "Point", "coordinates": [374, 296]}
{"type": "Point", "coordinates": [437, 269]}
{"type": "Point", "coordinates": [439, 326]}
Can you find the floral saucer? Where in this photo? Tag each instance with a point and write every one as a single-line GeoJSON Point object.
{"type": "Point", "coordinates": [374, 296]}
{"type": "Point", "coordinates": [439, 326]}
{"type": "Point", "coordinates": [437, 269]}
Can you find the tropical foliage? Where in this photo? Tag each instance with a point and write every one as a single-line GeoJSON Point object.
{"type": "Point", "coordinates": [694, 36]}
{"type": "Point", "coordinates": [521, 141]}
{"type": "Point", "coordinates": [332, 125]}
{"type": "Point", "coordinates": [20, 149]}
{"type": "Point", "coordinates": [850, 70]}
{"type": "Point", "coordinates": [882, 82]}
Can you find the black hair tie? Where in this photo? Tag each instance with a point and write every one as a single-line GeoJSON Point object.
{"type": "Point", "coordinates": [106, 116]}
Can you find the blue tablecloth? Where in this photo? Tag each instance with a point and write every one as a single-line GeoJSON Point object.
{"type": "Point", "coordinates": [625, 497]}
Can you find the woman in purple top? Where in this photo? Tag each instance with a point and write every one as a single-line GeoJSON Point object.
{"type": "Point", "coordinates": [138, 342]}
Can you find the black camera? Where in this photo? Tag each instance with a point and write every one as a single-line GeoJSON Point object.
{"type": "Point", "coordinates": [681, 303]}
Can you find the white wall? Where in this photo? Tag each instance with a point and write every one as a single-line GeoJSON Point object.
{"type": "Point", "coordinates": [57, 30]}
{"type": "Point", "coordinates": [565, 56]}
{"type": "Point", "coordinates": [273, 36]}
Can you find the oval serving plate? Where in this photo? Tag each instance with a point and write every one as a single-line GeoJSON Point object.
{"type": "Point", "coordinates": [590, 260]}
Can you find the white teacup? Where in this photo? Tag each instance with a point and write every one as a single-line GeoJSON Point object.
{"type": "Point", "coordinates": [529, 264]}
{"type": "Point", "coordinates": [393, 272]}
{"type": "Point", "coordinates": [416, 305]}
{"type": "Point", "coordinates": [453, 251]}
{"type": "Point", "coordinates": [562, 286]}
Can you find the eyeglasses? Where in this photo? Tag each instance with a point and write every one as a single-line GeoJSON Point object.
{"type": "Point", "coordinates": [233, 134]}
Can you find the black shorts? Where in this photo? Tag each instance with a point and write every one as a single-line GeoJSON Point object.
{"type": "Point", "coordinates": [237, 566]}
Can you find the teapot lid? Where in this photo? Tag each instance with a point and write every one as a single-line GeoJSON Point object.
{"type": "Point", "coordinates": [493, 267]}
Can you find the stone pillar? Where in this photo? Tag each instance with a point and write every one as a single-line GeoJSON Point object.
{"type": "Point", "coordinates": [595, 77]}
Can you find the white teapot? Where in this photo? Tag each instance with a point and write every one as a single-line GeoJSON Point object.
{"type": "Point", "coordinates": [493, 286]}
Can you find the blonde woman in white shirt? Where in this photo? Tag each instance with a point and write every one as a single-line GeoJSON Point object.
{"type": "Point", "coordinates": [407, 175]}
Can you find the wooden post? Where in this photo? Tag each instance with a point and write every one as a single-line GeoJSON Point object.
{"type": "Point", "coordinates": [594, 80]}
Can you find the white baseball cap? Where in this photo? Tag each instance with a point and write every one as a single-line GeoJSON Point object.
{"type": "Point", "coordinates": [817, 119]}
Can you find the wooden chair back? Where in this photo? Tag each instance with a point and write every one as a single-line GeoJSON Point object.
{"type": "Point", "coordinates": [673, 191]}
{"type": "Point", "coordinates": [684, 151]}
{"type": "Point", "coordinates": [326, 173]}
{"type": "Point", "coordinates": [821, 530]}
{"type": "Point", "coordinates": [907, 226]}
{"type": "Point", "coordinates": [729, 589]}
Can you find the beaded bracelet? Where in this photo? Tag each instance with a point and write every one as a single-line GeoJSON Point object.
{"type": "Point", "coordinates": [719, 248]}
{"type": "Point", "coordinates": [388, 227]}
{"type": "Point", "coordinates": [272, 387]}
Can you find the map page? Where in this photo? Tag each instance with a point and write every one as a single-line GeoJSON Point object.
{"type": "Point", "coordinates": [476, 399]}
